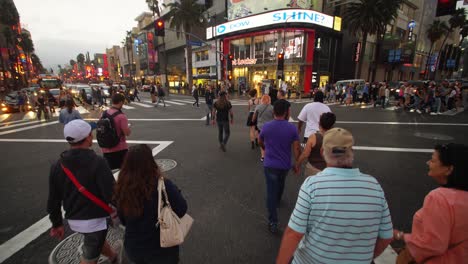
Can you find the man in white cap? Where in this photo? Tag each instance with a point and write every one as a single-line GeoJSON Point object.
{"type": "Point", "coordinates": [341, 215]}
{"type": "Point", "coordinates": [83, 215]}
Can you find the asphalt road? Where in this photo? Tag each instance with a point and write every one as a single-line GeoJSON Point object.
{"type": "Point", "coordinates": [225, 191]}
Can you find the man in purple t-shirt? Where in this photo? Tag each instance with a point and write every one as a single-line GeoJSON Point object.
{"type": "Point", "coordinates": [277, 138]}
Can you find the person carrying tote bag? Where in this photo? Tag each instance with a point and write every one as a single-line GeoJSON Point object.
{"type": "Point", "coordinates": [136, 197]}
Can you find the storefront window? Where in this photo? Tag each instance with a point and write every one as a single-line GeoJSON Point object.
{"type": "Point", "coordinates": [271, 45]}
{"type": "Point", "coordinates": [201, 55]}
{"type": "Point", "coordinates": [259, 46]}
{"type": "Point", "coordinates": [294, 44]}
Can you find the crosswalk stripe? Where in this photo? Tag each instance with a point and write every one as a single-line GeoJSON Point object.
{"type": "Point", "coordinates": [142, 105]}
{"type": "Point", "coordinates": [12, 122]}
{"type": "Point", "coordinates": [128, 107]}
{"type": "Point", "coordinates": [4, 117]}
{"type": "Point", "coordinates": [153, 104]}
{"type": "Point", "coordinates": [174, 102]}
{"type": "Point", "coordinates": [22, 124]}
{"type": "Point", "coordinates": [186, 101]}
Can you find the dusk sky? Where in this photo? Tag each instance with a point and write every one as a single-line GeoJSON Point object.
{"type": "Point", "coordinates": [61, 29]}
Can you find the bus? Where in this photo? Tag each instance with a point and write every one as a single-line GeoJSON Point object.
{"type": "Point", "coordinates": [49, 81]}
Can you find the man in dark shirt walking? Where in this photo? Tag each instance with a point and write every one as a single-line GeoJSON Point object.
{"type": "Point", "coordinates": [223, 110]}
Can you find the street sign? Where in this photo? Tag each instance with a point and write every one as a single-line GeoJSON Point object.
{"type": "Point", "coordinates": [194, 43]}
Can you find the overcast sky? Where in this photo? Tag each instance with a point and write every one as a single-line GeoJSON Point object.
{"type": "Point", "coordinates": [61, 29]}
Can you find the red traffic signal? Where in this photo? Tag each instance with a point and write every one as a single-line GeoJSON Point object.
{"type": "Point", "coordinates": [445, 7]}
{"type": "Point", "coordinates": [159, 27]}
{"type": "Point", "coordinates": [280, 62]}
{"type": "Point", "coordinates": [229, 62]}
{"type": "Point", "coordinates": [280, 56]}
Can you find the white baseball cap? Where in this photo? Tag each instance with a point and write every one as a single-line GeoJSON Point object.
{"type": "Point", "coordinates": [76, 130]}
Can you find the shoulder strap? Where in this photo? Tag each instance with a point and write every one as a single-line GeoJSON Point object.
{"type": "Point", "coordinates": [85, 192]}
{"type": "Point", "coordinates": [261, 114]}
{"type": "Point", "coordinates": [162, 194]}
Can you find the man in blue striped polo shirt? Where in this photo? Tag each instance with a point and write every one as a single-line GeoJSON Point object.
{"type": "Point", "coordinates": [341, 215]}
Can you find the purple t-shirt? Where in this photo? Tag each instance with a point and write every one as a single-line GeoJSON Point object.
{"type": "Point", "coordinates": [278, 136]}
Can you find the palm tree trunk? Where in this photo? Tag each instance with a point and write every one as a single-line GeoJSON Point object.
{"type": "Point", "coordinates": [189, 61]}
{"type": "Point", "coordinates": [361, 55]}
{"type": "Point", "coordinates": [440, 51]}
{"type": "Point", "coordinates": [377, 55]}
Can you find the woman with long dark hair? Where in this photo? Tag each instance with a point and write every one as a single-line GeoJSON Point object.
{"type": "Point", "coordinates": [136, 197]}
{"type": "Point", "coordinates": [440, 228]}
{"type": "Point", "coordinates": [223, 109]}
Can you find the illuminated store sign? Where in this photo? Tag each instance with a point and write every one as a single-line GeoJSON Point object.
{"type": "Point", "coordinates": [238, 62]}
{"type": "Point", "coordinates": [273, 18]}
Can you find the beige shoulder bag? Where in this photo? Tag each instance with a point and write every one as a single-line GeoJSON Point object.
{"type": "Point", "coordinates": [172, 229]}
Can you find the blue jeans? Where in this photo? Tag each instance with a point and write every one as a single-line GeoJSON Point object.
{"type": "Point", "coordinates": [223, 126]}
{"type": "Point", "coordinates": [275, 179]}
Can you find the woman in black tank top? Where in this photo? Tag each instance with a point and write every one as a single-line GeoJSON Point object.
{"type": "Point", "coordinates": [311, 152]}
{"type": "Point", "coordinates": [253, 102]}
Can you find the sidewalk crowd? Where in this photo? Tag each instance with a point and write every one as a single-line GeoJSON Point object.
{"type": "Point", "coordinates": [341, 214]}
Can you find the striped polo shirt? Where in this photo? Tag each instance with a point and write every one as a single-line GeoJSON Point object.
{"type": "Point", "coordinates": [341, 213]}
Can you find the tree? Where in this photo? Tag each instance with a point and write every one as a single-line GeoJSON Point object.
{"type": "Point", "coordinates": [435, 32]}
{"type": "Point", "coordinates": [183, 17]}
{"type": "Point", "coordinates": [369, 17]}
{"type": "Point", "coordinates": [28, 47]}
{"type": "Point", "coordinates": [463, 32]}
{"type": "Point", "coordinates": [153, 6]}
{"type": "Point", "coordinates": [37, 64]}
{"type": "Point", "coordinates": [8, 13]}
{"type": "Point", "coordinates": [457, 20]}
{"type": "Point", "coordinates": [80, 59]}
{"type": "Point", "coordinates": [72, 63]}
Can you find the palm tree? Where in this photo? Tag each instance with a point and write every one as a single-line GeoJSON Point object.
{"type": "Point", "coordinates": [183, 17]}
{"type": "Point", "coordinates": [28, 47]}
{"type": "Point", "coordinates": [435, 32]}
{"type": "Point", "coordinates": [72, 63]}
{"type": "Point", "coordinates": [8, 13]}
{"type": "Point", "coordinates": [369, 17]}
{"type": "Point", "coordinates": [153, 5]}
{"type": "Point", "coordinates": [463, 32]}
{"type": "Point", "coordinates": [457, 20]}
{"type": "Point", "coordinates": [37, 64]}
{"type": "Point", "coordinates": [80, 59]}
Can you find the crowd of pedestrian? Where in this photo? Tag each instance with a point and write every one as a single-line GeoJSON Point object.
{"type": "Point", "coordinates": [341, 214]}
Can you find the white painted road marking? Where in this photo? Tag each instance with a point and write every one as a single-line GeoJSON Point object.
{"type": "Point", "coordinates": [153, 119]}
{"type": "Point", "coordinates": [390, 149]}
{"type": "Point", "coordinates": [4, 117]}
{"type": "Point", "coordinates": [143, 105]}
{"type": "Point", "coordinates": [153, 104]}
{"type": "Point", "coordinates": [128, 107]}
{"type": "Point", "coordinates": [25, 123]}
{"type": "Point", "coordinates": [401, 123]}
{"type": "Point", "coordinates": [174, 102]}
{"type": "Point", "coordinates": [28, 235]}
{"type": "Point", "coordinates": [13, 122]}
{"type": "Point", "coordinates": [28, 128]}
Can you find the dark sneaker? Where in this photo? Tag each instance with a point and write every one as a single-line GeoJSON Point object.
{"type": "Point", "coordinates": [273, 228]}
{"type": "Point", "coordinates": [223, 147]}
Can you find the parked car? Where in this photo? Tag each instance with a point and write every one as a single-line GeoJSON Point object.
{"type": "Point", "coordinates": [146, 88]}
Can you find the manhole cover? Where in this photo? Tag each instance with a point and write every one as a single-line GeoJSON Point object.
{"type": "Point", "coordinates": [166, 164]}
{"type": "Point", "coordinates": [68, 251]}
{"type": "Point", "coordinates": [433, 136]}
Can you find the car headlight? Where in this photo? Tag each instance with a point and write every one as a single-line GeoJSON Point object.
{"type": "Point", "coordinates": [131, 92]}
{"type": "Point", "coordinates": [397, 90]}
{"type": "Point", "coordinates": [3, 105]}
{"type": "Point", "coordinates": [35, 94]}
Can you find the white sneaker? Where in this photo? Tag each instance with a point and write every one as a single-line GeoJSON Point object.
{"type": "Point", "coordinates": [419, 111]}
{"type": "Point", "coordinates": [433, 113]}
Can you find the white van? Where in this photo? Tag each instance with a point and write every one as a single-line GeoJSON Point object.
{"type": "Point", "coordinates": [358, 83]}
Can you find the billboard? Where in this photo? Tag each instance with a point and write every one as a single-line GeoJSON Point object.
{"type": "Point", "coordinates": [279, 17]}
{"type": "Point", "coordinates": [242, 8]}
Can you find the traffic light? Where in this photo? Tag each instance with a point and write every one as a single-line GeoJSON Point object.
{"type": "Point", "coordinates": [159, 27]}
{"type": "Point", "coordinates": [230, 77]}
{"type": "Point", "coordinates": [280, 61]}
{"type": "Point", "coordinates": [445, 7]}
{"type": "Point", "coordinates": [280, 68]}
{"type": "Point", "coordinates": [230, 58]}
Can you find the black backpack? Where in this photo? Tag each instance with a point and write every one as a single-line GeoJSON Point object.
{"type": "Point", "coordinates": [106, 132]}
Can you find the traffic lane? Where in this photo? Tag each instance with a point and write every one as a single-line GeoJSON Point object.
{"type": "Point", "coordinates": [381, 115]}
{"type": "Point", "coordinates": [24, 189]}
{"type": "Point", "coordinates": [405, 136]}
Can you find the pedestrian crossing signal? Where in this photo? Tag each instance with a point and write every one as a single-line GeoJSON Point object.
{"type": "Point", "coordinates": [230, 77]}
{"type": "Point", "coordinates": [445, 7]}
{"type": "Point", "coordinates": [230, 58]}
{"type": "Point", "coordinates": [159, 27]}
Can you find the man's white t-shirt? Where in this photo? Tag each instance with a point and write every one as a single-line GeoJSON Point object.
{"type": "Point", "coordinates": [284, 87]}
{"type": "Point", "coordinates": [310, 114]}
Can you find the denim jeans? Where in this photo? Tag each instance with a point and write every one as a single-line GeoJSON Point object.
{"type": "Point", "coordinates": [275, 179]}
{"type": "Point", "coordinates": [209, 109]}
{"type": "Point", "coordinates": [223, 126]}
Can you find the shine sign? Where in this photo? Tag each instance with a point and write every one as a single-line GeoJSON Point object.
{"type": "Point", "coordinates": [278, 17]}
